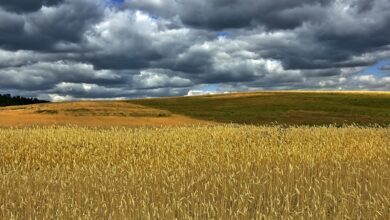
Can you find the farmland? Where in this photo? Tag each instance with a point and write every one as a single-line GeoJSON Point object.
{"type": "Point", "coordinates": [256, 108]}
{"type": "Point", "coordinates": [92, 114]}
{"type": "Point", "coordinates": [288, 108]}
{"type": "Point", "coordinates": [199, 172]}
{"type": "Point", "coordinates": [269, 155]}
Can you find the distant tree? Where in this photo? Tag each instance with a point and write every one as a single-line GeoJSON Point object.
{"type": "Point", "coordinates": [8, 100]}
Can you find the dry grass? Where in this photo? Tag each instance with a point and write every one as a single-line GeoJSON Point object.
{"type": "Point", "coordinates": [109, 113]}
{"type": "Point", "coordinates": [220, 172]}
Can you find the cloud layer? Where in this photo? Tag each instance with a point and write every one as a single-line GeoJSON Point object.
{"type": "Point", "coordinates": [75, 49]}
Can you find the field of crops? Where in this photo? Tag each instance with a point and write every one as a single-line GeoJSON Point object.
{"type": "Point", "coordinates": [195, 172]}
{"type": "Point", "coordinates": [281, 107]}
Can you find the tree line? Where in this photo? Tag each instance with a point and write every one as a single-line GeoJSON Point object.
{"type": "Point", "coordinates": [8, 100]}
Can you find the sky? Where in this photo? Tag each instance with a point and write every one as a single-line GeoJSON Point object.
{"type": "Point", "coordinates": [115, 49]}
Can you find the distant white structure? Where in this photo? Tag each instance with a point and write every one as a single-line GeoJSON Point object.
{"type": "Point", "coordinates": [205, 92]}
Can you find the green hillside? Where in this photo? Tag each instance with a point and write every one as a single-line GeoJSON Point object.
{"type": "Point", "coordinates": [291, 108]}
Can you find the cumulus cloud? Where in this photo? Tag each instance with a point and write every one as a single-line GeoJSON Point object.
{"type": "Point", "coordinates": [75, 49]}
{"type": "Point", "coordinates": [371, 82]}
{"type": "Point", "coordinates": [45, 75]}
{"type": "Point", "coordinates": [155, 79]}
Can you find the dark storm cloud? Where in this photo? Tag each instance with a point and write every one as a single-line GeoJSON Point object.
{"type": "Point", "coordinates": [137, 48]}
{"type": "Point", "coordinates": [194, 61]}
{"type": "Point", "coordinates": [335, 30]}
{"type": "Point", "coordinates": [27, 5]}
{"type": "Point", "coordinates": [43, 29]}
{"type": "Point", "coordinates": [223, 14]}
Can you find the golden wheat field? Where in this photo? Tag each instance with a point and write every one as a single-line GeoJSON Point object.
{"type": "Point", "coordinates": [195, 172]}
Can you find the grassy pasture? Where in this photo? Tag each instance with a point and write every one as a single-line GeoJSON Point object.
{"type": "Point", "coordinates": [197, 172]}
{"type": "Point", "coordinates": [291, 108]}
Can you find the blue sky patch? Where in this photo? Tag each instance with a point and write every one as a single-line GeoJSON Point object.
{"type": "Point", "coordinates": [210, 88]}
{"type": "Point", "coordinates": [223, 34]}
{"type": "Point", "coordinates": [118, 1]}
{"type": "Point", "coordinates": [114, 2]}
{"type": "Point", "coordinates": [376, 69]}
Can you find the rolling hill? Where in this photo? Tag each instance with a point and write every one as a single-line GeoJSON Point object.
{"type": "Point", "coordinates": [258, 108]}
{"type": "Point", "coordinates": [290, 108]}
{"type": "Point", "coordinates": [92, 114]}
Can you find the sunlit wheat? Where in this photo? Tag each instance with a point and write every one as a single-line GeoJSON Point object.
{"type": "Point", "coordinates": [200, 172]}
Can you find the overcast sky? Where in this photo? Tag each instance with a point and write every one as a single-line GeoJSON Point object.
{"type": "Point", "coordinates": [84, 49]}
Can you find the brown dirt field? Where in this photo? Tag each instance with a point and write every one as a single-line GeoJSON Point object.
{"type": "Point", "coordinates": [100, 114]}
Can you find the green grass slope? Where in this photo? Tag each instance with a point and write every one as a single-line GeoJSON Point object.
{"type": "Point", "coordinates": [290, 108]}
